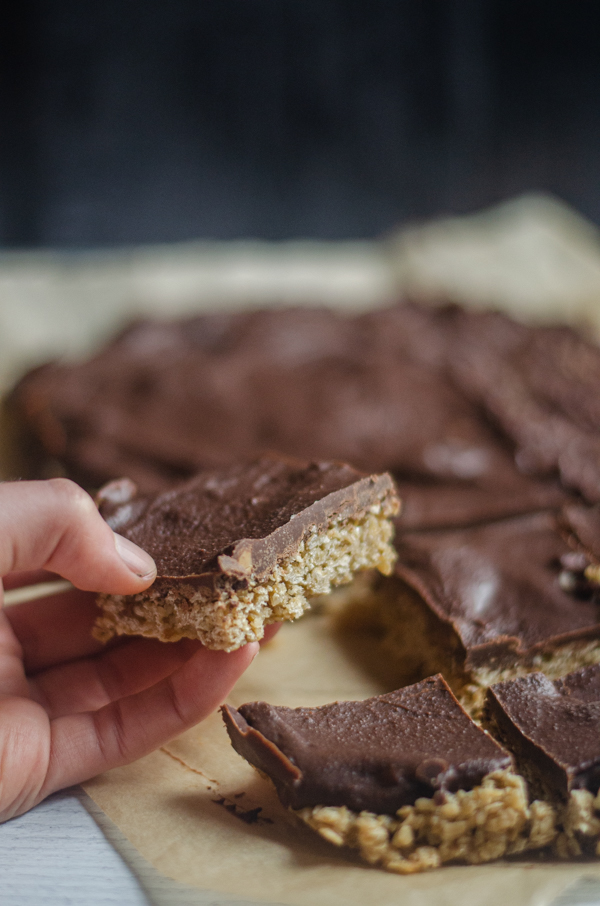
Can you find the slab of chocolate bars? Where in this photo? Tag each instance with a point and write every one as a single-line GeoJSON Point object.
{"type": "Point", "coordinates": [231, 431]}
{"type": "Point", "coordinates": [412, 782]}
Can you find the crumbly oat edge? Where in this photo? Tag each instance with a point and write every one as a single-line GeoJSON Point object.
{"type": "Point", "coordinates": [226, 619]}
{"type": "Point", "coordinates": [565, 659]}
{"type": "Point", "coordinates": [488, 822]}
{"type": "Point", "coordinates": [580, 826]}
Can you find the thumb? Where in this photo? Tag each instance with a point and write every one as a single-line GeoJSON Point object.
{"type": "Point", "coordinates": [55, 525]}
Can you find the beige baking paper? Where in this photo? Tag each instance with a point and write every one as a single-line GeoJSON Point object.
{"type": "Point", "coordinates": [183, 807]}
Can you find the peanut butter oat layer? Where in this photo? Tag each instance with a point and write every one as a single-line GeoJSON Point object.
{"type": "Point", "coordinates": [491, 602]}
{"type": "Point", "coordinates": [553, 731]}
{"type": "Point", "coordinates": [247, 545]}
{"type": "Point", "coordinates": [406, 778]}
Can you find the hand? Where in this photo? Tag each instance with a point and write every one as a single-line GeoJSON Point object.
{"type": "Point", "coordinates": [71, 707]}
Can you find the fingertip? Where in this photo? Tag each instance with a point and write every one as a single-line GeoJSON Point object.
{"type": "Point", "coordinates": [239, 659]}
{"type": "Point", "coordinates": [251, 650]}
{"type": "Point", "coordinates": [270, 632]}
{"type": "Point", "coordinates": [228, 665]}
{"type": "Point", "coordinates": [137, 560]}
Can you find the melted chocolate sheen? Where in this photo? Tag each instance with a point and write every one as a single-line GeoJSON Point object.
{"type": "Point", "coordinates": [377, 754]}
{"type": "Point", "coordinates": [500, 586]}
{"type": "Point", "coordinates": [554, 726]}
{"type": "Point", "coordinates": [239, 519]}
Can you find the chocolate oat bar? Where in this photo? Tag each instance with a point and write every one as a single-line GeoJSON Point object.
{"type": "Point", "coordinates": [490, 602]}
{"type": "Point", "coordinates": [246, 545]}
{"type": "Point", "coordinates": [553, 730]}
{"type": "Point", "coordinates": [407, 777]}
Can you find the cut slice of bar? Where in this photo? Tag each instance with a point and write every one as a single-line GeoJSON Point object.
{"type": "Point", "coordinates": [553, 730]}
{"type": "Point", "coordinates": [246, 545]}
{"type": "Point", "coordinates": [538, 385]}
{"type": "Point", "coordinates": [407, 777]}
{"type": "Point", "coordinates": [491, 602]}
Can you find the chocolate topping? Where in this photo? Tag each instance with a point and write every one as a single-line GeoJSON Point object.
{"type": "Point", "coordinates": [240, 520]}
{"type": "Point", "coordinates": [500, 586]}
{"type": "Point", "coordinates": [377, 754]}
{"type": "Point", "coordinates": [539, 386]}
{"type": "Point", "coordinates": [583, 685]}
{"type": "Point", "coordinates": [448, 504]}
{"type": "Point", "coordinates": [552, 727]}
{"type": "Point", "coordinates": [167, 399]}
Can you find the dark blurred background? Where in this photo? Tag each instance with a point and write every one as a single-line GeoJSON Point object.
{"type": "Point", "coordinates": [146, 120]}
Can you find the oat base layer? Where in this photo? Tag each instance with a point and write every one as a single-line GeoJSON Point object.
{"type": "Point", "coordinates": [227, 618]}
{"type": "Point", "coordinates": [489, 822]}
{"type": "Point", "coordinates": [580, 831]}
{"type": "Point", "coordinates": [414, 645]}
{"type": "Point", "coordinates": [565, 659]}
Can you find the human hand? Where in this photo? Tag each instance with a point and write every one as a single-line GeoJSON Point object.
{"type": "Point", "coordinates": [71, 707]}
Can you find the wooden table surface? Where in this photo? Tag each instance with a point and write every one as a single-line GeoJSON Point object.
{"type": "Point", "coordinates": [66, 852]}
{"type": "Point", "coordinates": [57, 855]}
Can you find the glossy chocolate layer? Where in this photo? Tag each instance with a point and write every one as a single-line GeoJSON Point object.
{"type": "Point", "coordinates": [501, 587]}
{"type": "Point", "coordinates": [539, 386]}
{"type": "Point", "coordinates": [377, 754]}
{"type": "Point", "coordinates": [240, 520]}
{"type": "Point", "coordinates": [167, 399]}
{"type": "Point", "coordinates": [553, 728]}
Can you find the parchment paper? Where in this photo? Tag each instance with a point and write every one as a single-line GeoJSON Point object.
{"type": "Point", "coordinates": [185, 808]}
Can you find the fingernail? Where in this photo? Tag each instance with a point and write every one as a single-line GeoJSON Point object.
{"type": "Point", "coordinates": [134, 558]}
